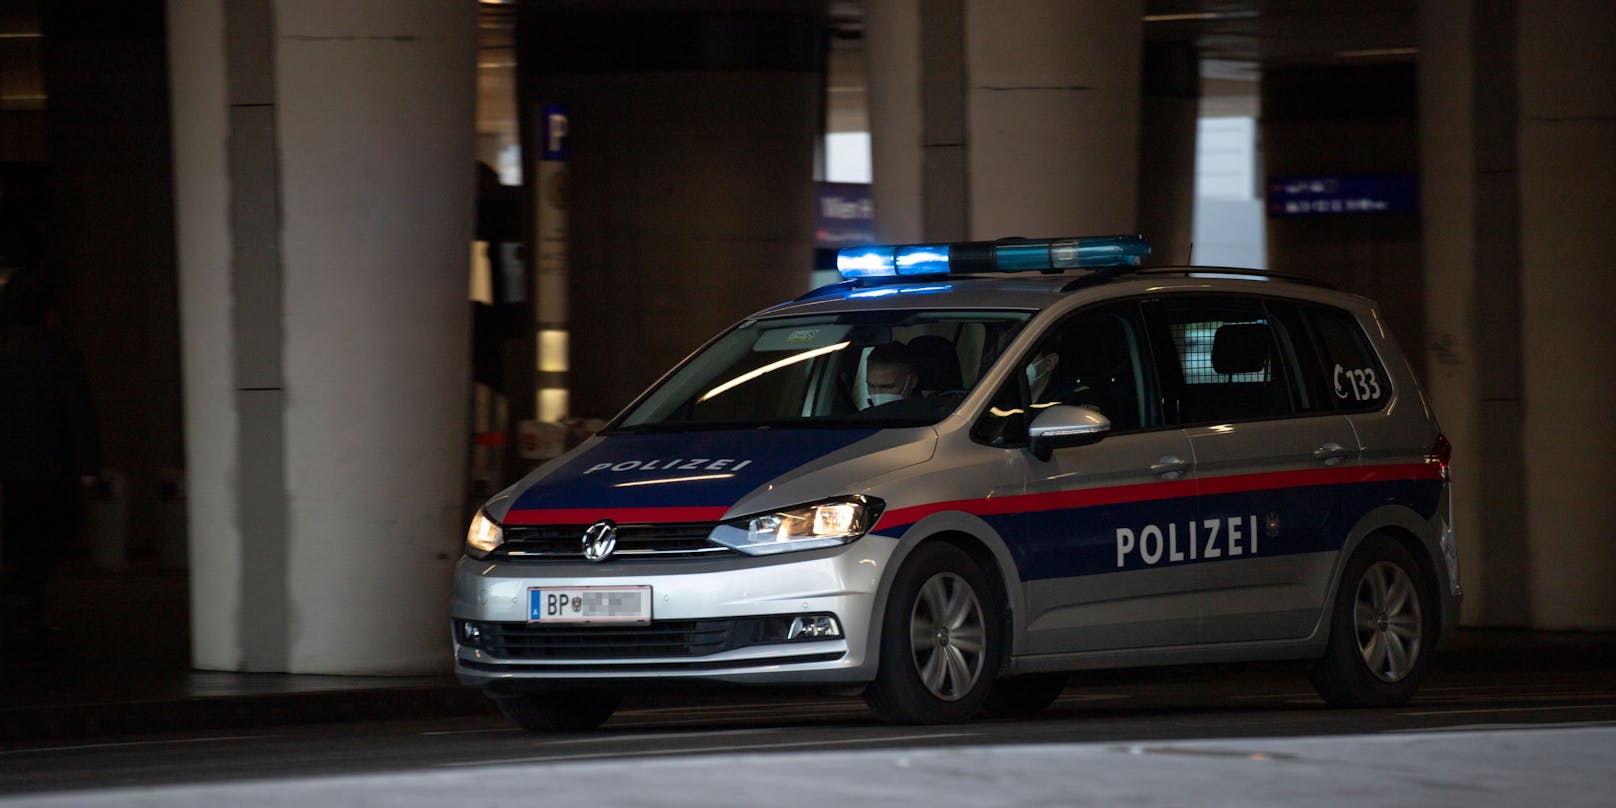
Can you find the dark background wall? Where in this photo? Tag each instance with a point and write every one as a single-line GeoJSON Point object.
{"type": "Point", "coordinates": [690, 181]}
{"type": "Point", "coordinates": [1328, 121]}
{"type": "Point", "coordinates": [101, 146]}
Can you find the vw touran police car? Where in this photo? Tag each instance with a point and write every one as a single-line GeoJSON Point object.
{"type": "Point", "coordinates": [968, 470]}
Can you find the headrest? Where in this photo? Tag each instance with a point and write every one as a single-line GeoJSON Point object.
{"type": "Point", "coordinates": [936, 363]}
{"type": "Point", "coordinates": [1241, 348]}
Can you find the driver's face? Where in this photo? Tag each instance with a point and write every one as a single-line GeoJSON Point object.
{"type": "Point", "coordinates": [889, 377]}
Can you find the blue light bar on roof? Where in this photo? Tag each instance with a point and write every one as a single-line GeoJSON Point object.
{"type": "Point", "coordinates": [921, 259]}
{"type": "Point", "coordinates": [1007, 255]}
{"type": "Point", "coordinates": [874, 261]}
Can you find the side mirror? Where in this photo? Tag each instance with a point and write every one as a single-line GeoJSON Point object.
{"type": "Point", "coordinates": [1061, 426]}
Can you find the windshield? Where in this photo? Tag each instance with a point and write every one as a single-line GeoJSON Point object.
{"type": "Point", "coordinates": [857, 369]}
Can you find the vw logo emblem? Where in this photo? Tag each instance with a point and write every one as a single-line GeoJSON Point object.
{"type": "Point", "coordinates": [600, 540]}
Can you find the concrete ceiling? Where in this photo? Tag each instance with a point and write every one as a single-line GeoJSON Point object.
{"type": "Point", "coordinates": [1237, 39]}
{"type": "Point", "coordinates": [1242, 32]}
{"type": "Point", "coordinates": [1280, 33]}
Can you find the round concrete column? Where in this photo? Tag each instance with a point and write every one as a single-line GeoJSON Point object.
{"type": "Point", "coordinates": [994, 119]}
{"type": "Point", "coordinates": [324, 182]}
{"type": "Point", "coordinates": [690, 186]}
{"type": "Point", "coordinates": [1168, 117]}
{"type": "Point", "coordinates": [892, 59]}
{"type": "Point", "coordinates": [1470, 231]}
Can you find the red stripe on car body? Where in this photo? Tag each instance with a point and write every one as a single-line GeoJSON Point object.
{"type": "Point", "coordinates": [1168, 489]}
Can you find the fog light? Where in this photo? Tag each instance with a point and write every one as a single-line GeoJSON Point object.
{"type": "Point", "coordinates": [814, 626]}
{"type": "Point", "coordinates": [470, 633]}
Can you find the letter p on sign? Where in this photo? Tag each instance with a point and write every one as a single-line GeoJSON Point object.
{"type": "Point", "coordinates": [555, 132]}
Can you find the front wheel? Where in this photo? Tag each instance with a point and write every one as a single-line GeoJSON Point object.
{"type": "Point", "coordinates": [558, 711]}
{"type": "Point", "coordinates": [1381, 629]}
{"type": "Point", "coordinates": [940, 640]}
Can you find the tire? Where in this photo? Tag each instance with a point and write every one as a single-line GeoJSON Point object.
{"type": "Point", "coordinates": [1022, 696]}
{"type": "Point", "coordinates": [1382, 627]}
{"type": "Point", "coordinates": [558, 711]}
{"type": "Point", "coordinates": [941, 640]}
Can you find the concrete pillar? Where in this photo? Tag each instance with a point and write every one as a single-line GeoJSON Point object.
{"type": "Point", "coordinates": [690, 174]}
{"type": "Point", "coordinates": [1169, 115]}
{"type": "Point", "coordinates": [892, 57]}
{"type": "Point", "coordinates": [1468, 179]}
{"type": "Point", "coordinates": [993, 119]}
{"type": "Point", "coordinates": [1520, 145]}
{"type": "Point", "coordinates": [1567, 171]}
{"type": "Point", "coordinates": [324, 185]}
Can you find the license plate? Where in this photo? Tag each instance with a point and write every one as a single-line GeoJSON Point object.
{"type": "Point", "coordinates": [590, 604]}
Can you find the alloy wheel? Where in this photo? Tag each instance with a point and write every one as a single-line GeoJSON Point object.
{"type": "Point", "coordinates": [1387, 619]}
{"type": "Point", "coordinates": [947, 636]}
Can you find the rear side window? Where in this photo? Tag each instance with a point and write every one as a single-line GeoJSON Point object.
{"type": "Point", "coordinates": [1232, 357]}
{"type": "Point", "coordinates": [1350, 371]}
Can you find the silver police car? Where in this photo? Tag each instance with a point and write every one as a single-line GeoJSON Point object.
{"type": "Point", "coordinates": [970, 469]}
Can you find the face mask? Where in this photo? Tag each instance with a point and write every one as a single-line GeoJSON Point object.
{"type": "Point", "coordinates": [903, 391]}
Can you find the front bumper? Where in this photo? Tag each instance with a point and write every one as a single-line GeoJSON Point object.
{"type": "Point", "coordinates": [710, 621]}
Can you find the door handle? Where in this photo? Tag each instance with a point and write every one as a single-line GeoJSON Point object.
{"type": "Point", "coordinates": [1169, 466]}
{"type": "Point", "coordinates": [1331, 453]}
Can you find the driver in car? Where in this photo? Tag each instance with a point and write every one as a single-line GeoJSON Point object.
{"type": "Point", "coordinates": [889, 378]}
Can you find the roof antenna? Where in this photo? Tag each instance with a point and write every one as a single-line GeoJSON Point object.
{"type": "Point", "coordinates": [1189, 256]}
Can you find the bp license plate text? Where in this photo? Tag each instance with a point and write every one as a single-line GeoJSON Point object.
{"type": "Point", "coordinates": [590, 604]}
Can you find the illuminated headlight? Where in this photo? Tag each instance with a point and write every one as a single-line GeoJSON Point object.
{"type": "Point", "coordinates": [822, 524]}
{"type": "Point", "coordinates": [483, 536]}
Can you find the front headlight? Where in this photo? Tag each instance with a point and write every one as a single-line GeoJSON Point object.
{"type": "Point", "coordinates": [483, 536]}
{"type": "Point", "coordinates": [821, 524]}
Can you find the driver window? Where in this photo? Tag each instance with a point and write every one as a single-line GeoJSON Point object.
{"type": "Point", "coordinates": [1094, 359]}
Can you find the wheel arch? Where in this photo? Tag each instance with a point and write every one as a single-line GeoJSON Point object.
{"type": "Point", "coordinates": [985, 547]}
{"type": "Point", "coordinates": [1405, 527]}
{"type": "Point", "coordinates": [1353, 672]}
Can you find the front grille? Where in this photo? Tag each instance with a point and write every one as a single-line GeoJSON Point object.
{"type": "Point", "coordinates": [566, 541]}
{"type": "Point", "coordinates": [661, 639]}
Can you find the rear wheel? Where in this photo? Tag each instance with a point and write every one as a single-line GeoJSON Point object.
{"type": "Point", "coordinates": [940, 640]}
{"type": "Point", "coordinates": [1381, 629]}
{"type": "Point", "coordinates": [1027, 695]}
{"type": "Point", "coordinates": [558, 711]}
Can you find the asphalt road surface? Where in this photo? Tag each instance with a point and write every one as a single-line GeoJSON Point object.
{"type": "Point", "coordinates": [1204, 736]}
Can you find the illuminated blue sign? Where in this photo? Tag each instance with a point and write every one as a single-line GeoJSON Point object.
{"type": "Point", "coordinates": [1347, 195]}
